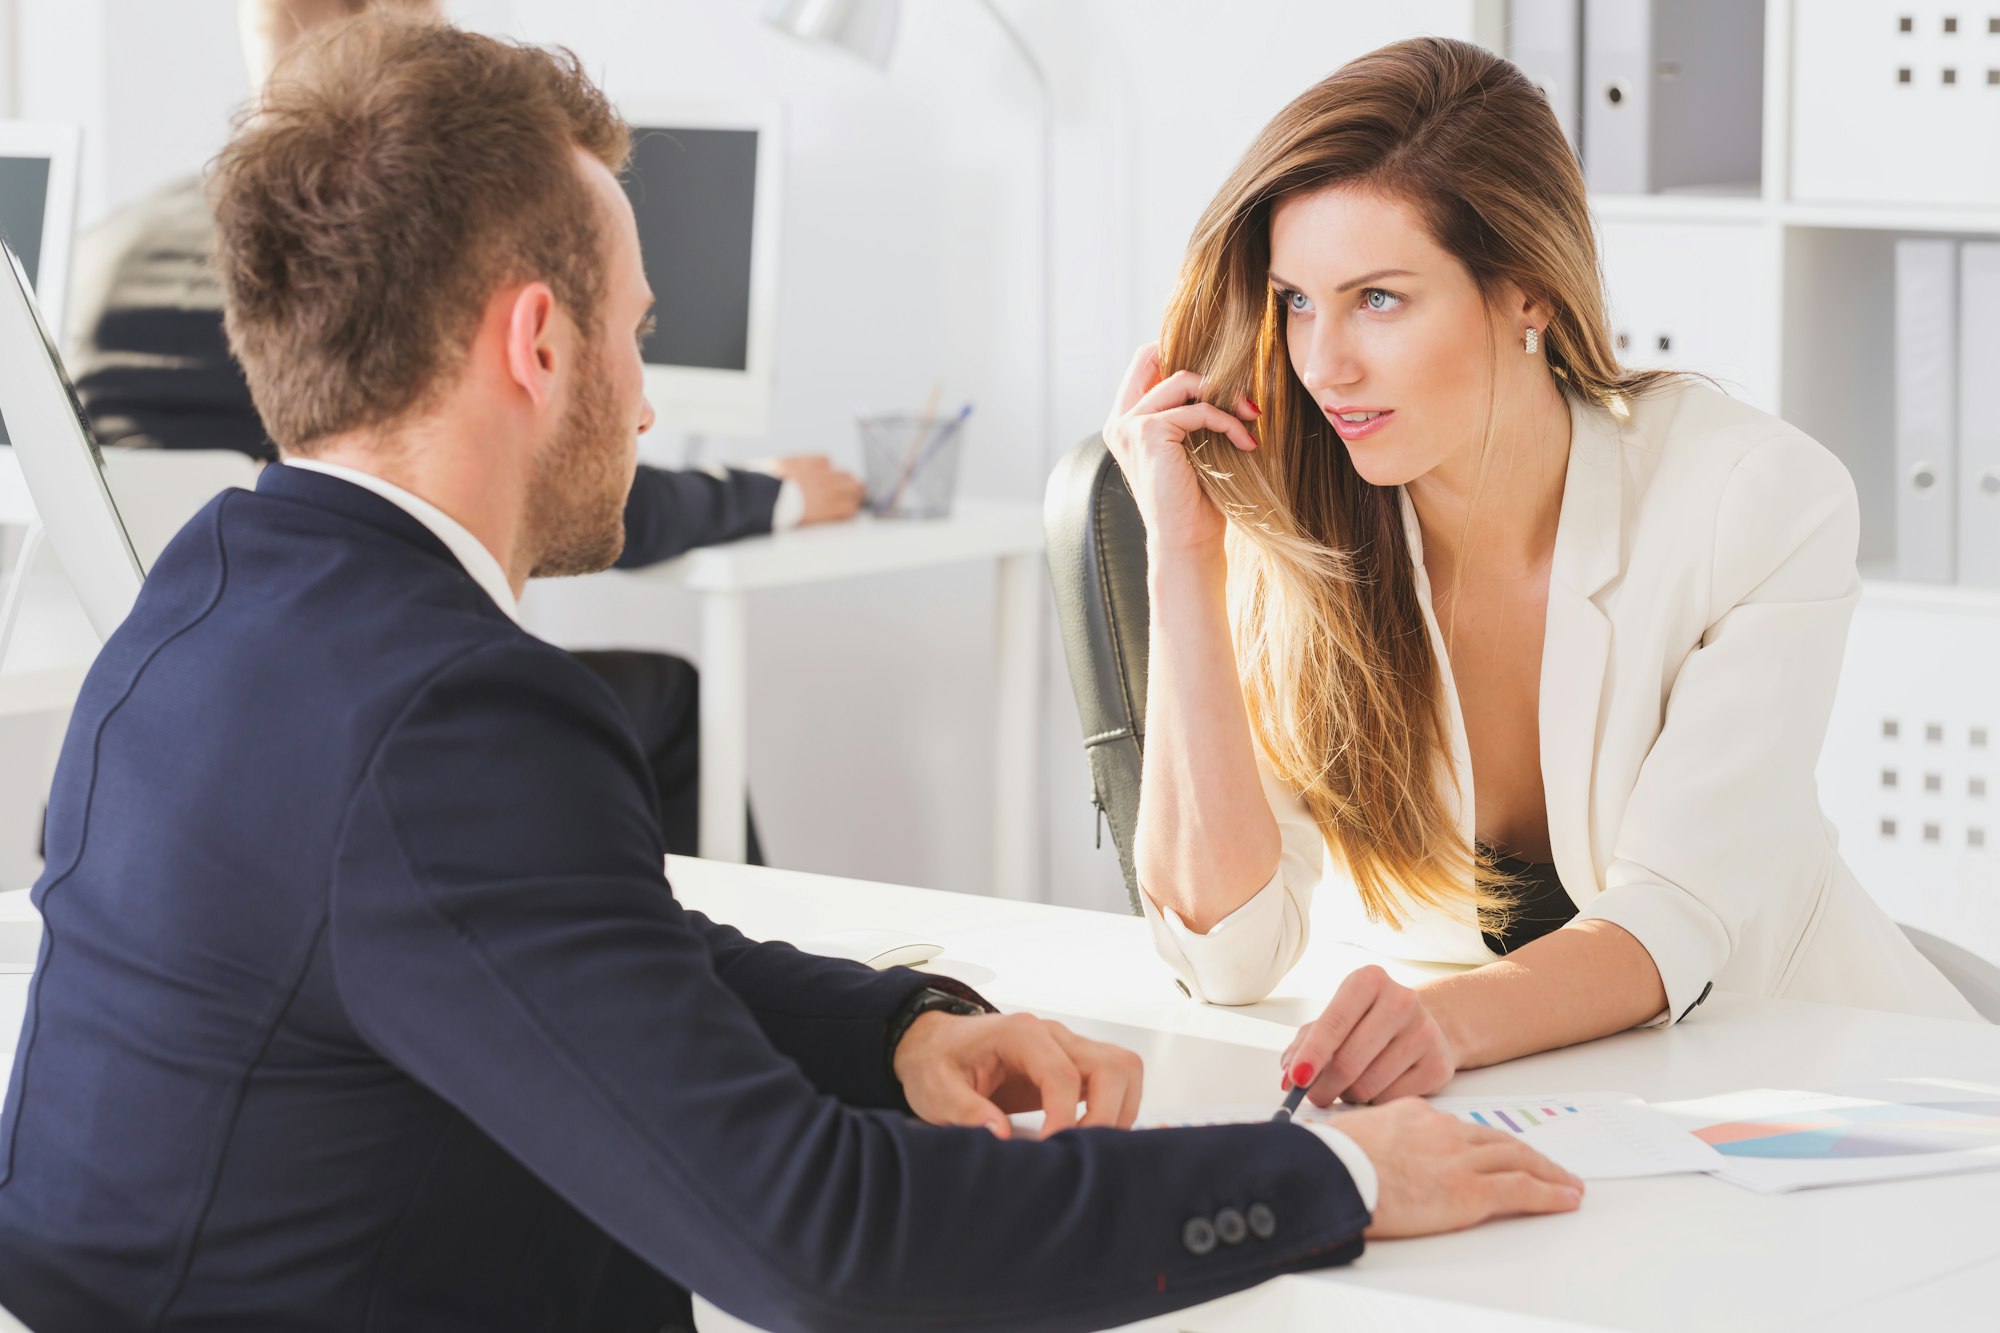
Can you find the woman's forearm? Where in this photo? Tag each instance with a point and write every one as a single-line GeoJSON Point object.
{"type": "Point", "coordinates": [1587, 980]}
{"type": "Point", "coordinates": [1206, 839]}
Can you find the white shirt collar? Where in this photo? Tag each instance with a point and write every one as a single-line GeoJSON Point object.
{"type": "Point", "coordinates": [466, 548]}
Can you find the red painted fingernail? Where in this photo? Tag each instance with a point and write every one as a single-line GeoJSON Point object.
{"type": "Point", "coordinates": [1255, 410]}
{"type": "Point", "coordinates": [1302, 1075]}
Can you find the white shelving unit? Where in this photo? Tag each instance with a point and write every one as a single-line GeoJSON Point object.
{"type": "Point", "coordinates": [1789, 304]}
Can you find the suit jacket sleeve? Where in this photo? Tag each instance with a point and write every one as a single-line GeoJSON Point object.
{"type": "Point", "coordinates": [501, 931]}
{"type": "Point", "coordinates": [670, 512]}
{"type": "Point", "coordinates": [828, 1015]}
{"type": "Point", "coordinates": [1745, 720]}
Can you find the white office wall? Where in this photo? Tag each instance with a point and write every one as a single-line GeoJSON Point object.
{"type": "Point", "coordinates": [910, 256]}
{"type": "Point", "coordinates": [9, 42]}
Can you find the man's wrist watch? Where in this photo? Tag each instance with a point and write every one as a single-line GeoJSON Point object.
{"type": "Point", "coordinates": [929, 1000]}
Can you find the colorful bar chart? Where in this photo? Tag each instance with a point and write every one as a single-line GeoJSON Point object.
{"type": "Point", "coordinates": [1515, 1119]}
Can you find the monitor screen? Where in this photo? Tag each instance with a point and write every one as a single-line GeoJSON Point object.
{"type": "Point", "coordinates": [24, 202]}
{"type": "Point", "coordinates": [695, 194]}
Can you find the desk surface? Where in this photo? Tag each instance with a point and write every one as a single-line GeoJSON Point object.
{"type": "Point", "coordinates": [1683, 1252]}
{"type": "Point", "coordinates": [976, 530]}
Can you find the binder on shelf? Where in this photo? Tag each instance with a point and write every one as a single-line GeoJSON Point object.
{"type": "Point", "coordinates": [1545, 38]}
{"type": "Point", "coordinates": [1927, 402]}
{"type": "Point", "coordinates": [1978, 499]}
{"type": "Point", "coordinates": [1673, 94]}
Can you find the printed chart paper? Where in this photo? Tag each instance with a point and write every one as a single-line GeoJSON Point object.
{"type": "Point", "coordinates": [1773, 1140]}
{"type": "Point", "coordinates": [1596, 1135]}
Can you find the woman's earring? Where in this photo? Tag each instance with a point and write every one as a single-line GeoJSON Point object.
{"type": "Point", "coordinates": [1532, 341]}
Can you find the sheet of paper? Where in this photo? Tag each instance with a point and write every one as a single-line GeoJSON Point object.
{"type": "Point", "coordinates": [1597, 1135]}
{"type": "Point", "coordinates": [1774, 1140]}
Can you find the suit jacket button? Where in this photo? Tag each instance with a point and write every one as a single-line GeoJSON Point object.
{"type": "Point", "coordinates": [1229, 1225]}
{"type": "Point", "coordinates": [1263, 1222]}
{"type": "Point", "coordinates": [1199, 1236]}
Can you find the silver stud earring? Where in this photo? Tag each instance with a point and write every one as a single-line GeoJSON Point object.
{"type": "Point", "coordinates": [1531, 342]}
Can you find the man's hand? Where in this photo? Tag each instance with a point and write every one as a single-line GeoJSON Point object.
{"type": "Point", "coordinates": [1375, 1042]}
{"type": "Point", "coordinates": [1438, 1173]}
{"type": "Point", "coordinates": [831, 494]}
{"type": "Point", "coordinates": [977, 1069]}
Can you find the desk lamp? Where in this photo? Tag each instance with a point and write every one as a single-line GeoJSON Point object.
{"type": "Point", "coordinates": [867, 29]}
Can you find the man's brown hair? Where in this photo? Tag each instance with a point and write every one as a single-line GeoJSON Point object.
{"type": "Point", "coordinates": [394, 175]}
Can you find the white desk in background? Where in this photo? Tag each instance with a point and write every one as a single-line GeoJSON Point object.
{"type": "Point", "coordinates": [1010, 535]}
{"type": "Point", "coordinates": [1675, 1253]}
{"type": "Point", "coordinates": [52, 645]}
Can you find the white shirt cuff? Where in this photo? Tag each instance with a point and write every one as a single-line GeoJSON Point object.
{"type": "Point", "coordinates": [1687, 941]}
{"type": "Point", "coordinates": [790, 509]}
{"type": "Point", "coordinates": [1359, 1167]}
{"type": "Point", "coordinates": [1244, 955]}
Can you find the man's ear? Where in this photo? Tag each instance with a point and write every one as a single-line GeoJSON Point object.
{"type": "Point", "coordinates": [532, 352]}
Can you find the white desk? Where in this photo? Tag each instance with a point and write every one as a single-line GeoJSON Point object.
{"type": "Point", "coordinates": [1008, 534]}
{"type": "Point", "coordinates": [1679, 1253]}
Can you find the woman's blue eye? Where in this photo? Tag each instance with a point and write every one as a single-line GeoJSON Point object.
{"type": "Point", "coordinates": [1298, 303]}
{"type": "Point", "coordinates": [1389, 300]}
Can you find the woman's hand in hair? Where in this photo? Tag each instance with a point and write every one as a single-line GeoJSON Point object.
{"type": "Point", "coordinates": [1375, 1042]}
{"type": "Point", "coordinates": [1148, 432]}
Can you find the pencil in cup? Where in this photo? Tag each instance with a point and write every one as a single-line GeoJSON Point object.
{"type": "Point", "coordinates": [910, 464]}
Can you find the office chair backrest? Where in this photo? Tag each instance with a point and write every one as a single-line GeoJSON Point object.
{"type": "Point", "coordinates": [1097, 560]}
{"type": "Point", "coordinates": [1977, 980]}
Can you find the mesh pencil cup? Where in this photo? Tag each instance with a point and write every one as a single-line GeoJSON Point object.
{"type": "Point", "coordinates": [909, 465]}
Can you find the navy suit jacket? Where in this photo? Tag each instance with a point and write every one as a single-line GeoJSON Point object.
{"type": "Point", "coordinates": [364, 1004]}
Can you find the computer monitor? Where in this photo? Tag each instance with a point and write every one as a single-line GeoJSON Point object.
{"type": "Point", "coordinates": [704, 187]}
{"type": "Point", "coordinates": [38, 206]}
{"type": "Point", "coordinates": [59, 458]}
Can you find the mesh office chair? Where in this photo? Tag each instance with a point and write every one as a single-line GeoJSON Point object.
{"type": "Point", "coordinates": [1977, 980]}
{"type": "Point", "coordinates": [1097, 562]}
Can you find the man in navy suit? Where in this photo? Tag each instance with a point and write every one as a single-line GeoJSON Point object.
{"type": "Point", "coordinates": [364, 1003]}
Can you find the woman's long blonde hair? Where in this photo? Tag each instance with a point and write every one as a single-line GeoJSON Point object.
{"type": "Point", "coordinates": [1343, 690]}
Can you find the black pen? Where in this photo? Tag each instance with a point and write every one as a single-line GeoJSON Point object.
{"type": "Point", "coordinates": [1292, 1100]}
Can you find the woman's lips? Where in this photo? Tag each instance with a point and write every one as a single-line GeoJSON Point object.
{"type": "Point", "coordinates": [1360, 430]}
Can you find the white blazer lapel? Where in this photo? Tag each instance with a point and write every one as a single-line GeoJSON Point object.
{"type": "Point", "coordinates": [1576, 643]}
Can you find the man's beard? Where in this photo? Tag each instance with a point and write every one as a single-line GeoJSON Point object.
{"type": "Point", "coordinates": [576, 513]}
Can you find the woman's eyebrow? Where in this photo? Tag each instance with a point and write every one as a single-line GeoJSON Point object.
{"type": "Point", "coordinates": [1352, 283]}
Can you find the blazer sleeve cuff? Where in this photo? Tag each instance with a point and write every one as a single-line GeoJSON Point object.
{"type": "Point", "coordinates": [1687, 941]}
{"type": "Point", "coordinates": [1244, 955]}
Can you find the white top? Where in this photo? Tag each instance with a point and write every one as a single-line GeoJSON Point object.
{"type": "Point", "coordinates": [1699, 598]}
{"type": "Point", "coordinates": [470, 552]}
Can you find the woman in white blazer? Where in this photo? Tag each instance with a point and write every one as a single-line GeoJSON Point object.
{"type": "Point", "coordinates": [1467, 643]}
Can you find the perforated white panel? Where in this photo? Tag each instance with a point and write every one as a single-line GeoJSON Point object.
{"type": "Point", "coordinates": [1911, 770]}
